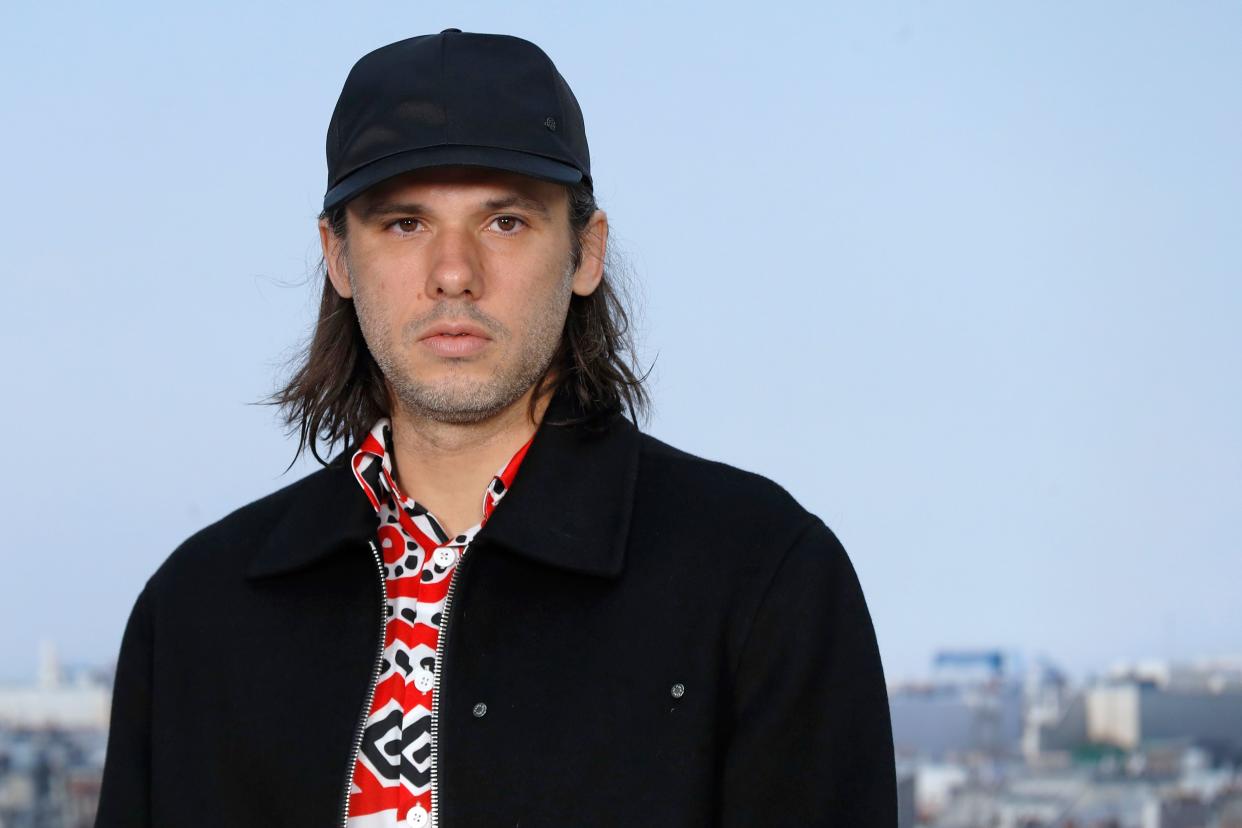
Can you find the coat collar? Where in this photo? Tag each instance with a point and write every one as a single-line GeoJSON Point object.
{"type": "Point", "coordinates": [569, 507]}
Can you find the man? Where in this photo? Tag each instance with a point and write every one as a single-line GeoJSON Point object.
{"type": "Point", "coordinates": [502, 604]}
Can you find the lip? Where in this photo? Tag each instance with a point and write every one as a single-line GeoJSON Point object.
{"type": "Point", "coordinates": [455, 329]}
{"type": "Point", "coordinates": [454, 339]}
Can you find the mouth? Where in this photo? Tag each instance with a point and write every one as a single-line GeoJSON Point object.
{"type": "Point", "coordinates": [450, 344]}
{"type": "Point", "coordinates": [456, 329]}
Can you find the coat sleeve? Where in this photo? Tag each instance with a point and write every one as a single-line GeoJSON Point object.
{"type": "Point", "coordinates": [124, 797]}
{"type": "Point", "coordinates": [811, 741]}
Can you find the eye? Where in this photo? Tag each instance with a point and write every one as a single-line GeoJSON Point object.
{"type": "Point", "coordinates": [406, 225]}
{"type": "Point", "coordinates": [507, 225]}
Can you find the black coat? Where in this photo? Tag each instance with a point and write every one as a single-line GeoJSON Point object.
{"type": "Point", "coordinates": [659, 640]}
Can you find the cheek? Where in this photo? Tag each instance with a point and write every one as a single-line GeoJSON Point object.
{"type": "Point", "coordinates": [548, 305]}
{"type": "Point", "coordinates": [382, 272]}
{"type": "Point", "coordinates": [382, 278]}
{"type": "Point", "coordinates": [374, 311]}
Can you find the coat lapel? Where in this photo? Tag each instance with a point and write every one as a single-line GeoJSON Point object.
{"type": "Point", "coordinates": [570, 505]}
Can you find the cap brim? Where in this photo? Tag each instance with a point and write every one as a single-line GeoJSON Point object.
{"type": "Point", "coordinates": [536, 166]}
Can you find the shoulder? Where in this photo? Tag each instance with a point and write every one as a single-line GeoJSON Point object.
{"type": "Point", "coordinates": [712, 489]}
{"type": "Point", "coordinates": [776, 565]}
{"type": "Point", "coordinates": [224, 547]}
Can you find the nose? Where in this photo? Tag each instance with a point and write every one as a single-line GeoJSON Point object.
{"type": "Point", "coordinates": [455, 265]}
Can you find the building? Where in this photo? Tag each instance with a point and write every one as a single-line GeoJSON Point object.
{"type": "Point", "coordinates": [54, 700]}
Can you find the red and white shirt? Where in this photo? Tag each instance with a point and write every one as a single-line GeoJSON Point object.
{"type": "Point", "coordinates": [392, 774]}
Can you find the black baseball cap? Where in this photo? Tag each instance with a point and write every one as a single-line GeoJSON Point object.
{"type": "Point", "coordinates": [454, 98]}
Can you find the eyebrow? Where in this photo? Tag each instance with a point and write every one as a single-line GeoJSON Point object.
{"type": "Point", "coordinates": [534, 205]}
{"type": "Point", "coordinates": [379, 209]}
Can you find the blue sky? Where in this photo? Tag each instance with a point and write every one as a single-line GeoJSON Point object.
{"type": "Point", "coordinates": [965, 278]}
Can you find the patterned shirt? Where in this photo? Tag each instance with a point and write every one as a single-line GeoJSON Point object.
{"type": "Point", "coordinates": [392, 774]}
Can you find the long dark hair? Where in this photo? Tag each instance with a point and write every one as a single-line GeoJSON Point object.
{"type": "Point", "coordinates": [336, 390]}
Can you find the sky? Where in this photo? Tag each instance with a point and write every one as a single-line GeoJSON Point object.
{"type": "Point", "coordinates": [965, 278]}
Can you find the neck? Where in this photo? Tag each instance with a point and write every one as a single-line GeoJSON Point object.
{"type": "Point", "coordinates": [447, 466]}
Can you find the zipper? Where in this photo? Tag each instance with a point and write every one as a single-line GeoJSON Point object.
{"type": "Point", "coordinates": [441, 649]}
{"type": "Point", "coordinates": [375, 673]}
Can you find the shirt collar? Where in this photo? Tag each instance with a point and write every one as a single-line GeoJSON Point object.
{"type": "Point", "coordinates": [570, 507]}
{"type": "Point", "coordinates": [373, 469]}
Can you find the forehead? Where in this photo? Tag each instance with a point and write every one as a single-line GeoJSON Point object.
{"type": "Point", "coordinates": [462, 183]}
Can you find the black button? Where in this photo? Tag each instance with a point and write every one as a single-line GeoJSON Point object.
{"type": "Point", "coordinates": [446, 31]}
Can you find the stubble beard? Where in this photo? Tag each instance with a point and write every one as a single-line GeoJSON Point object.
{"type": "Point", "coordinates": [459, 399]}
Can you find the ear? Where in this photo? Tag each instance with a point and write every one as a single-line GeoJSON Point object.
{"type": "Point", "coordinates": [594, 245]}
{"type": "Point", "coordinates": [333, 253]}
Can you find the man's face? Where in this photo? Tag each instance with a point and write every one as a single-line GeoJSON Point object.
{"type": "Point", "coordinates": [467, 248]}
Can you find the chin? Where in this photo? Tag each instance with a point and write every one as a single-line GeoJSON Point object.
{"type": "Point", "coordinates": [456, 401]}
